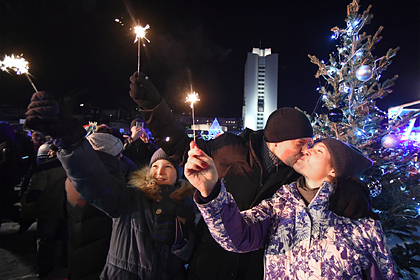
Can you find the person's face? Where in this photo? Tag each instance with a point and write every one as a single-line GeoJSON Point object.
{"type": "Point", "coordinates": [164, 172]}
{"type": "Point", "coordinates": [289, 151]}
{"type": "Point", "coordinates": [315, 164]}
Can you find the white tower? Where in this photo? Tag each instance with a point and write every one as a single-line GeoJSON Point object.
{"type": "Point", "coordinates": [260, 92]}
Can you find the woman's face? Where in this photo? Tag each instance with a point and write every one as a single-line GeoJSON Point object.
{"type": "Point", "coordinates": [164, 172]}
{"type": "Point", "coordinates": [315, 164]}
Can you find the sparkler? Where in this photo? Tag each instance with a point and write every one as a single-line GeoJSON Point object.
{"type": "Point", "coordinates": [19, 65]}
{"type": "Point", "coordinates": [140, 34]}
{"type": "Point", "coordinates": [192, 98]}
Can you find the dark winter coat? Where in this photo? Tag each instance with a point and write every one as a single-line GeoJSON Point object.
{"type": "Point", "coordinates": [89, 230]}
{"type": "Point", "coordinates": [238, 161]}
{"type": "Point", "coordinates": [45, 196]}
{"type": "Point", "coordinates": [132, 253]}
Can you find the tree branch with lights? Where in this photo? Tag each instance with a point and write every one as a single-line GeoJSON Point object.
{"type": "Point", "coordinates": [351, 84]}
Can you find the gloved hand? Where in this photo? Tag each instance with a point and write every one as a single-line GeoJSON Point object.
{"type": "Point", "coordinates": [143, 92]}
{"type": "Point", "coordinates": [351, 199]}
{"type": "Point", "coordinates": [165, 229]}
{"type": "Point", "coordinates": [45, 115]}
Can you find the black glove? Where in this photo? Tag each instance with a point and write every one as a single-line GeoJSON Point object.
{"type": "Point", "coordinates": [351, 199]}
{"type": "Point", "coordinates": [45, 115]}
{"type": "Point", "coordinates": [143, 91]}
{"type": "Point", "coordinates": [165, 229]}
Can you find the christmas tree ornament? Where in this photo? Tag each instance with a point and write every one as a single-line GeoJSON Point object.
{"type": "Point", "coordinates": [364, 73]}
{"type": "Point", "coordinates": [389, 141]}
{"type": "Point", "coordinates": [375, 187]}
{"type": "Point", "coordinates": [335, 115]}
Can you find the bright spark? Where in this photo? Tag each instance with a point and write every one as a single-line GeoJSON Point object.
{"type": "Point", "coordinates": [141, 32]}
{"type": "Point", "coordinates": [192, 98]}
{"type": "Point", "coordinates": [18, 64]}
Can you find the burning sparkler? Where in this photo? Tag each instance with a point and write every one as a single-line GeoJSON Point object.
{"type": "Point", "coordinates": [140, 34]}
{"type": "Point", "coordinates": [19, 65]}
{"type": "Point", "coordinates": [192, 98]}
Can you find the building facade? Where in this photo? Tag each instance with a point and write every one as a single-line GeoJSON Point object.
{"type": "Point", "coordinates": [260, 89]}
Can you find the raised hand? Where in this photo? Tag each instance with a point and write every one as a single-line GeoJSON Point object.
{"type": "Point", "coordinates": [143, 92]}
{"type": "Point", "coordinates": [200, 170]}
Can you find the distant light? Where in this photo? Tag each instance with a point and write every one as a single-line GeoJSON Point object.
{"type": "Point", "coordinates": [167, 139]}
{"type": "Point", "coordinates": [81, 105]}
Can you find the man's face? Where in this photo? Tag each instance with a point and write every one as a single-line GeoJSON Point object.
{"type": "Point", "coordinates": [289, 151]}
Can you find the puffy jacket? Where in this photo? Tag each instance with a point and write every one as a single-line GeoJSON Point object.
{"type": "Point", "coordinates": [132, 253]}
{"type": "Point", "coordinates": [301, 242]}
{"type": "Point", "coordinates": [238, 162]}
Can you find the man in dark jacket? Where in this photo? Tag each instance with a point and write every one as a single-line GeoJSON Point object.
{"type": "Point", "coordinates": [253, 165]}
{"type": "Point", "coordinates": [138, 147]}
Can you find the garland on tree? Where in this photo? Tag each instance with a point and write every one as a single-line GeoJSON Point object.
{"type": "Point", "coordinates": [352, 84]}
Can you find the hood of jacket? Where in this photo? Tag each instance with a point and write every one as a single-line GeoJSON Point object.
{"type": "Point", "coordinates": [143, 181]}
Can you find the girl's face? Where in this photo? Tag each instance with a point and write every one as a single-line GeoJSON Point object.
{"type": "Point", "coordinates": [315, 164]}
{"type": "Point", "coordinates": [164, 172]}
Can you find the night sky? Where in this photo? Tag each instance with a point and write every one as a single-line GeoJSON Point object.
{"type": "Point", "coordinates": [76, 48]}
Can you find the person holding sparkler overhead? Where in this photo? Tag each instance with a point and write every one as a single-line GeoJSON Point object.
{"type": "Point", "coordinates": [153, 218]}
{"type": "Point", "coordinates": [253, 166]}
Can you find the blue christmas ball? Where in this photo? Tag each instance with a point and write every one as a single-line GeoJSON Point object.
{"type": "Point", "coordinates": [389, 141]}
{"type": "Point", "coordinates": [364, 73]}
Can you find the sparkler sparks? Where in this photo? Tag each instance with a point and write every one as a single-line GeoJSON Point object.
{"type": "Point", "coordinates": [19, 65]}
{"type": "Point", "coordinates": [192, 98]}
{"type": "Point", "coordinates": [140, 34]}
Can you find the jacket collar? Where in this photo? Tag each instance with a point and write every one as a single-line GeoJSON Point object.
{"type": "Point", "coordinates": [141, 180]}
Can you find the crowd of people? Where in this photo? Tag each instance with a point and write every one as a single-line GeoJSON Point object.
{"type": "Point", "coordinates": [267, 204]}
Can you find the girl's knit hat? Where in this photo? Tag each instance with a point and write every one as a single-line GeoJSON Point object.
{"type": "Point", "coordinates": [160, 154]}
{"type": "Point", "coordinates": [346, 159]}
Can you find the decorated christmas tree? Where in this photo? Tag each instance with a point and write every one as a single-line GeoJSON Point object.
{"type": "Point", "coordinates": [351, 84]}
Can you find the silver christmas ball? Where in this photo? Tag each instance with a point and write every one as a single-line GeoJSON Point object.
{"type": "Point", "coordinates": [389, 141]}
{"type": "Point", "coordinates": [364, 73]}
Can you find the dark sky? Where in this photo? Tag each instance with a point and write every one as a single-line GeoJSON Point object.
{"type": "Point", "coordinates": [76, 47]}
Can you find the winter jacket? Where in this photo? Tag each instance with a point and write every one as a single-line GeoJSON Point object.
{"type": "Point", "coordinates": [238, 162]}
{"type": "Point", "coordinates": [138, 151]}
{"type": "Point", "coordinates": [132, 253]}
{"type": "Point", "coordinates": [301, 242]}
{"type": "Point", "coordinates": [89, 230]}
{"type": "Point", "coordinates": [45, 196]}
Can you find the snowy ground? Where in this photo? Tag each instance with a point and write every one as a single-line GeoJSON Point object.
{"type": "Point", "coordinates": [18, 254]}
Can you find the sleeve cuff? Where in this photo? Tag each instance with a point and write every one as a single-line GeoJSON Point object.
{"type": "Point", "coordinates": [214, 193]}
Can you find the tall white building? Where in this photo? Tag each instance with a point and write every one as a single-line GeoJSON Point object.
{"type": "Point", "coordinates": [260, 92]}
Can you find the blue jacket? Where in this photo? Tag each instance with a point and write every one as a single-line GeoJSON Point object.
{"type": "Point", "coordinates": [132, 253]}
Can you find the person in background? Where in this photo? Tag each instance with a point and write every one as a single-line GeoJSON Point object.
{"type": "Point", "coordinates": [10, 172]}
{"type": "Point", "coordinates": [89, 227]}
{"type": "Point", "coordinates": [44, 200]}
{"type": "Point", "coordinates": [253, 166]}
{"type": "Point", "coordinates": [138, 147]}
{"type": "Point", "coordinates": [301, 238]}
{"type": "Point", "coordinates": [153, 218]}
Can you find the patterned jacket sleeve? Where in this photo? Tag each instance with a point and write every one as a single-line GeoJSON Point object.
{"type": "Point", "coordinates": [381, 263]}
{"type": "Point", "coordinates": [236, 231]}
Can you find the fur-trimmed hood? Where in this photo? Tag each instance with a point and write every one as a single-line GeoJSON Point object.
{"type": "Point", "coordinates": [142, 180]}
